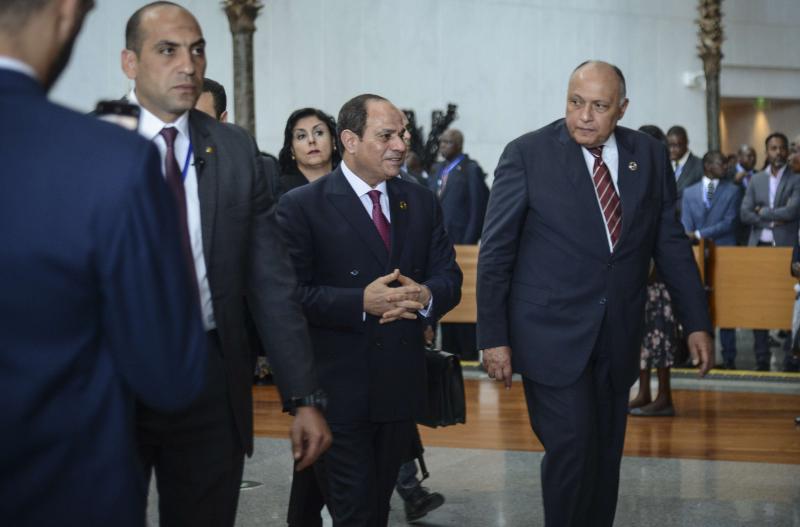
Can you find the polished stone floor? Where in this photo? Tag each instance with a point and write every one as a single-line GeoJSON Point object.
{"type": "Point", "coordinates": [495, 488]}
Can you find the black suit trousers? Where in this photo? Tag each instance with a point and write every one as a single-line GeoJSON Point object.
{"type": "Point", "coordinates": [361, 468]}
{"type": "Point", "coordinates": [582, 428]}
{"type": "Point", "coordinates": [196, 454]}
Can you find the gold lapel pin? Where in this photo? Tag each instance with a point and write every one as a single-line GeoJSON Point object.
{"type": "Point", "coordinates": [209, 150]}
{"type": "Point", "coordinates": [403, 205]}
{"type": "Point", "coordinates": [633, 166]}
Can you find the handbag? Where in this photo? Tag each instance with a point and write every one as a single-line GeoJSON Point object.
{"type": "Point", "coordinates": [445, 403]}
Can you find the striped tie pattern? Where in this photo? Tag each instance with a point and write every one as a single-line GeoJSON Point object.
{"type": "Point", "coordinates": [609, 200]}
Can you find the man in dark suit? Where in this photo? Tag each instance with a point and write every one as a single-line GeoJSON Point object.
{"type": "Point", "coordinates": [235, 249]}
{"type": "Point", "coordinates": [372, 260]}
{"type": "Point", "coordinates": [771, 207]}
{"type": "Point", "coordinates": [459, 183]}
{"type": "Point", "coordinates": [90, 271]}
{"type": "Point", "coordinates": [741, 175]}
{"type": "Point", "coordinates": [577, 211]}
{"type": "Point", "coordinates": [711, 211]}
{"type": "Point", "coordinates": [687, 167]}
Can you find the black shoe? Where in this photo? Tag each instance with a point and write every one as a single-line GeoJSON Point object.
{"type": "Point", "coordinates": [421, 502]}
{"type": "Point", "coordinates": [762, 367]}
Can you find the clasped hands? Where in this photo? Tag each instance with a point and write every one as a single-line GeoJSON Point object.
{"type": "Point", "coordinates": [392, 303]}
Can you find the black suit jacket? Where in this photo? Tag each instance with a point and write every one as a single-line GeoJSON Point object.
{"type": "Point", "coordinates": [691, 173]}
{"type": "Point", "coordinates": [247, 260]}
{"type": "Point", "coordinates": [547, 280]}
{"type": "Point", "coordinates": [370, 371]}
{"type": "Point", "coordinates": [463, 199]}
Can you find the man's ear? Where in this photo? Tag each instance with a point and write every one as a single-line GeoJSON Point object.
{"type": "Point", "coordinates": [130, 63]}
{"type": "Point", "coordinates": [70, 15]}
{"type": "Point", "coordinates": [350, 141]}
{"type": "Point", "coordinates": [223, 117]}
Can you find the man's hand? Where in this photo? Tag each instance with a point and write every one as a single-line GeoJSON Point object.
{"type": "Point", "coordinates": [406, 304]}
{"type": "Point", "coordinates": [701, 348]}
{"type": "Point", "coordinates": [739, 177]}
{"type": "Point", "coordinates": [310, 436]}
{"type": "Point", "coordinates": [497, 363]}
{"type": "Point", "coordinates": [691, 235]}
{"type": "Point", "coordinates": [380, 299]}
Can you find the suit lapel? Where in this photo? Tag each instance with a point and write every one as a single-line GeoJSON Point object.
{"type": "Point", "coordinates": [630, 181]}
{"type": "Point", "coordinates": [781, 186]}
{"type": "Point", "coordinates": [398, 205]}
{"type": "Point", "coordinates": [344, 199]}
{"type": "Point", "coordinates": [583, 187]}
{"type": "Point", "coordinates": [205, 149]}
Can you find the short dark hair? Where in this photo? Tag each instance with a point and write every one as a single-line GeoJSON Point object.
{"type": "Point", "coordinates": [779, 135]}
{"type": "Point", "coordinates": [287, 164]}
{"type": "Point", "coordinates": [217, 92]}
{"type": "Point", "coordinates": [622, 86]}
{"type": "Point", "coordinates": [653, 131]}
{"type": "Point", "coordinates": [711, 154]}
{"type": "Point", "coordinates": [15, 13]}
{"type": "Point", "coordinates": [678, 130]}
{"type": "Point", "coordinates": [353, 115]}
{"type": "Point", "coordinates": [133, 29]}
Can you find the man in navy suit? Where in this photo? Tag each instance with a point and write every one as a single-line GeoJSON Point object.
{"type": "Point", "coordinates": [459, 183]}
{"type": "Point", "coordinates": [372, 261]}
{"type": "Point", "coordinates": [711, 211]}
{"type": "Point", "coordinates": [97, 306]}
{"type": "Point", "coordinates": [577, 211]}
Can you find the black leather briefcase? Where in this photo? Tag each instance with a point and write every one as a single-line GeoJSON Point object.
{"type": "Point", "coordinates": [445, 402]}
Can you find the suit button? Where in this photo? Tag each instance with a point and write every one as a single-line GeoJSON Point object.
{"type": "Point", "coordinates": [603, 301]}
{"type": "Point", "coordinates": [403, 341]}
{"type": "Point", "coordinates": [610, 265]}
{"type": "Point", "coordinates": [378, 343]}
{"type": "Point", "coordinates": [354, 272]}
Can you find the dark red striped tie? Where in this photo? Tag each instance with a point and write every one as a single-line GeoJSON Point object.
{"type": "Point", "coordinates": [609, 200]}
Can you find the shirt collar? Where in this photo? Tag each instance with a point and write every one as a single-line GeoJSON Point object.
{"type": "Point", "coordinates": [706, 181]}
{"type": "Point", "coordinates": [609, 150]}
{"type": "Point", "coordinates": [150, 126]}
{"type": "Point", "coordinates": [779, 174]}
{"type": "Point", "coordinates": [740, 168]}
{"type": "Point", "coordinates": [10, 63]}
{"type": "Point", "coordinates": [360, 187]}
{"type": "Point", "coordinates": [685, 157]}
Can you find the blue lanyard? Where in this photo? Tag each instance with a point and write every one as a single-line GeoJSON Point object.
{"type": "Point", "coordinates": [186, 163]}
{"type": "Point", "coordinates": [446, 170]}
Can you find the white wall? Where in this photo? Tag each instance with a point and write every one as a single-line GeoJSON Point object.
{"type": "Point", "coordinates": [504, 62]}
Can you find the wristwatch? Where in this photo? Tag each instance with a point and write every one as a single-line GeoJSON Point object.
{"type": "Point", "coordinates": [317, 399]}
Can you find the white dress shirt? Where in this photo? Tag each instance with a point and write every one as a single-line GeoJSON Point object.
{"type": "Point", "coordinates": [10, 63]}
{"type": "Point", "coordinates": [150, 127]}
{"type": "Point", "coordinates": [774, 180]}
{"type": "Point", "coordinates": [361, 188]}
{"type": "Point", "coordinates": [611, 159]}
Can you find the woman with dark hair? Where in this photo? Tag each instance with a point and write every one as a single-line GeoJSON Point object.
{"type": "Point", "coordinates": [309, 149]}
{"type": "Point", "coordinates": [661, 337]}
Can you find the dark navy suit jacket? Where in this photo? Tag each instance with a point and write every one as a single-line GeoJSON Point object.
{"type": "Point", "coordinates": [96, 308]}
{"type": "Point", "coordinates": [547, 280]}
{"type": "Point", "coordinates": [718, 222]}
{"type": "Point", "coordinates": [463, 199]}
{"type": "Point", "coordinates": [370, 371]}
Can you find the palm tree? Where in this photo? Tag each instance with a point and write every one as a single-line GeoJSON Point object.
{"type": "Point", "coordinates": [710, 51]}
{"type": "Point", "coordinates": [242, 20]}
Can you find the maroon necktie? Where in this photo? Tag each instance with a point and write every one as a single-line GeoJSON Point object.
{"type": "Point", "coordinates": [380, 221]}
{"type": "Point", "coordinates": [609, 200]}
{"type": "Point", "coordinates": [175, 182]}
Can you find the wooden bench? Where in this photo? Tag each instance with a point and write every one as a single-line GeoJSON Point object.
{"type": "Point", "coordinates": [750, 287]}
